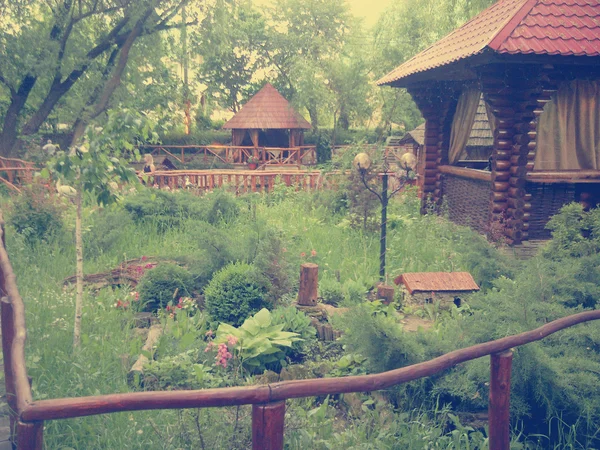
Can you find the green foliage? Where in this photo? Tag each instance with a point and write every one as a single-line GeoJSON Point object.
{"type": "Point", "coordinates": [105, 232]}
{"type": "Point", "coordinates": [260, 341]}
{"type": "Point", "coordinates": [272, 262]}
{"type": "Point", "coordinates": [297, 322]}
{"type": "Point", "coordinates": [36, 215]}
{"type": "Point", "coordinates": [331, 291]}
{"type": "Point", "coordinates": [164, 210]}
{"type": "Point", "coordinates": [198, 137]}
{"type": "Point", "coordinates": [223, 208]}
{"type": "Point", "coordinates": [234, 293]}
{"type": "Point", "coordinates": [575, 233]}
{"type": "Point", "coordinates": [163, 284]}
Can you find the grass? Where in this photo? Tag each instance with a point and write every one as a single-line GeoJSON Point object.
{"type": "Point", "coordinates": [304, 223]}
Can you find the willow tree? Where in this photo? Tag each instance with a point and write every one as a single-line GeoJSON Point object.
{"type": "Point", "coordinates": [96, 168]}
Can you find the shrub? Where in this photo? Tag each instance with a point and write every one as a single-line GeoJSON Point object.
{"type": "Point", "coordinates": [270, 261]}
{"type": "Point", "coordinates": [36, 216]}
{"type": "Point", "coordinates": [105, 232]}
{"type": "Point", "coordinates": [223, 208]}
{"type": "Point", "coordinates": [296, 321]}
{"type": "Point", "coordinates": [331, 292]}
{"type": "Point", "coordinates": [165, 209]}
{"type": "Point", "coordinates": [165, 283]}
{"type": "Point", "coordinates": [234, 293]}
{"type": "Point", "coordinates": [261, 342]}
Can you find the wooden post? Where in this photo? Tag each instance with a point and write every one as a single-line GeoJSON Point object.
{"type": "Point", "coordinates": [385, 293]}
{"type": "Point", "coordinates": [8, 333]}
{"type": "Point", "coordinates": [309, 284]}
{"type": "Point", "coordinates": [30, 436]}
{"type": "Point", "coordinates": [267, 426]}
{"type": "Point", "coordinates": [499, 405]}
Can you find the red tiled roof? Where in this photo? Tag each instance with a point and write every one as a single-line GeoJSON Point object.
{"type": "Point", "coordinates": [437, 281]}
{"type": "Point", "coordinates": [542, 27]}
{"type": "Point", "coordinates": [267, 110]}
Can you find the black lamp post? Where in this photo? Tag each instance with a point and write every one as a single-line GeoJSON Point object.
{"type": "Point", "coordinates": [362, 162]}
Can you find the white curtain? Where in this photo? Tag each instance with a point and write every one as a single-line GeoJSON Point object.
{"type": "Point", "coordinates": [462, 123]}
{"type": "Point", "coordinates": [568, 132]}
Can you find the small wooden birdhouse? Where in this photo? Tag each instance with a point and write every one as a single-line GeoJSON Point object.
{"type": "Point", "coordinates": [429, 287]}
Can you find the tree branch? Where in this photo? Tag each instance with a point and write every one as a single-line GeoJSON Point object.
{"type": "Point", "coordinates": [4, 81]}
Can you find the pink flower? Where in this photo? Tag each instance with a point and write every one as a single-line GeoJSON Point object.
{"type": "Point", "coordinates": [223, 355]}
{"type": "Point", "coordinates": [144, 258]}
{"type": "Point", "coordinates": [149, 266]}
{"type": "Point", "coordinates": [313, 252]}
{"type": "Point", "coordinates": [209, 347]}
{"type": "Point", "coordinates": [209, 333]}
{"type": "Point", "coordinates": [232, 340]}
{"type": "Point", "coordinates": [136, 296]}
{"type": "Point", "coordinates": [302, 255]}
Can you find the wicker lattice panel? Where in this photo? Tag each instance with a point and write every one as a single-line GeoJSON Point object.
{"type": "Point", "coordinates": [546, 200]}
{"type": "Point", "coordinates": [468, 201]}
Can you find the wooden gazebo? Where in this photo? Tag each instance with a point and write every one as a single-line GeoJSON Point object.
{"type": "Point", "coordinates": [268, 121]}
{"type": "Point", "coordinates": [537, 64]}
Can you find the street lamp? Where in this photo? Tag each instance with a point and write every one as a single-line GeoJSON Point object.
{"type": "Point", "coordinates": [407, 163]}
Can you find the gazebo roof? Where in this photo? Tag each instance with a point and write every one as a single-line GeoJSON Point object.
{"type": "Point", "coordinates": [541, 27]}
{"type": "Point", "coordinates": [417, 135]}
{"type": "Point", "coordinates": [267, 110]}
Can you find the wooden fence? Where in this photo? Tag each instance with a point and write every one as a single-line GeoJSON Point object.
{"type": "Point", "coordinates": [268, 401]}
{"type": "Point", "coordinates": [15, 171]}
{"type": "Point", "coordinates": [304, 155]}
{"type": "Point", "coordinates": [242, 181]}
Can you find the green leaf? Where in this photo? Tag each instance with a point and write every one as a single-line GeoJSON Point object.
{"type": "Point", "coordinates": [263, 317]}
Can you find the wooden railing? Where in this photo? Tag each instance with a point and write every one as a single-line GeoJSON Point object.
{"type": "Point", "coordinates": [241, 181]}
{"type": "Point", "coordinates": [230, 154]}
{"type": "Point", "coordinates": [15, 171]}
{"type": "Point", "coordinates": [268, 401]}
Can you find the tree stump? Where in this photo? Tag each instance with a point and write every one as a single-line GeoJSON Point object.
{"type": "Point", "coordinates": [385, 293]}
{"type": "Point", "coordinates": [309, 284]}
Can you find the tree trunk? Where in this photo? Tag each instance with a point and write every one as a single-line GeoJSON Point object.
{"type": "Point", "coordinates": [78, 272]}
{"type": "Point", "coordinates": [8, 137]}
{"type": "Point", "coordinates": [314, 117]}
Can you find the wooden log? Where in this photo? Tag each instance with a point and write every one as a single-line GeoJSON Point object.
{"type": "Point", "coordinates": [503, 154]}
{"type": "Point", "coordinates": [527, 205]}
{"type": "Point", "coordinates": [516, 192]}
{"type": "Point", "coordinates": [518, 160]}
{"type": "Point", "coordinates": [30, 435]}
{"type": "Point", "coordinates": [500, 186]}
{"type": "Point", "coordinates": [8, 332]}
{"type": "Point", "coordinates": [500, 175]}
{"type": "Point", "coordinates": [268, 422]}
{"type": "Point", "coordinates": [514, 213]}
{"type": "Point", "coordinates": [504, 165]}
{"type": "Point", "coordinates": [309, 284]}
{"type": "Point", "coordinates": [516, 203]}
{"type": "Point", "coordinates": [517, 182]}
{"type": "Point", "coordinates": [154, 334]}
{"type": "Point", "coordinates": [518, 171]}
{"type": "Point", "coordinates": [386, 293]}
{"type": "Point", "coordinates": [499, 207]}
{"type": "Point", "coordinates": [499, 405]}
{"type": "Point", "coordinates": [503, 144]}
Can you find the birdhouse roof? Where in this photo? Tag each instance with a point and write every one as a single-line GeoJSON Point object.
{"type": "Point", "coordinates": [437, 281]}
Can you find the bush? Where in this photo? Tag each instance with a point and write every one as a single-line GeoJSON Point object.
{"type": "Point", "coordinates": [199, 137]}
{"type": "Point", "coordinates": [296, 322]}
{"type": "Point", "coordinates": [331, 292]}
{"type": "Point", "coordinates": [164, 209]}
{"type": "Point", "coordinates": [270, 261]}
{"type": "Point", "coordinates": [36, 215]}
{"type": "Point", "coordinates": [165, 283]}
{"type": "Point", "coordinates": [223, 208]}
{"type": "Point", "coordinates": [234, 293]}
{"type": "Point", "coordinates": [105, 232]}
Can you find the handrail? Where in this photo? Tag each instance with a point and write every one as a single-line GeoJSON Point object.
{"type": "Point", "coordinates": [463, 172]}
{"type": "Point", "coordinates": [86, 406]}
